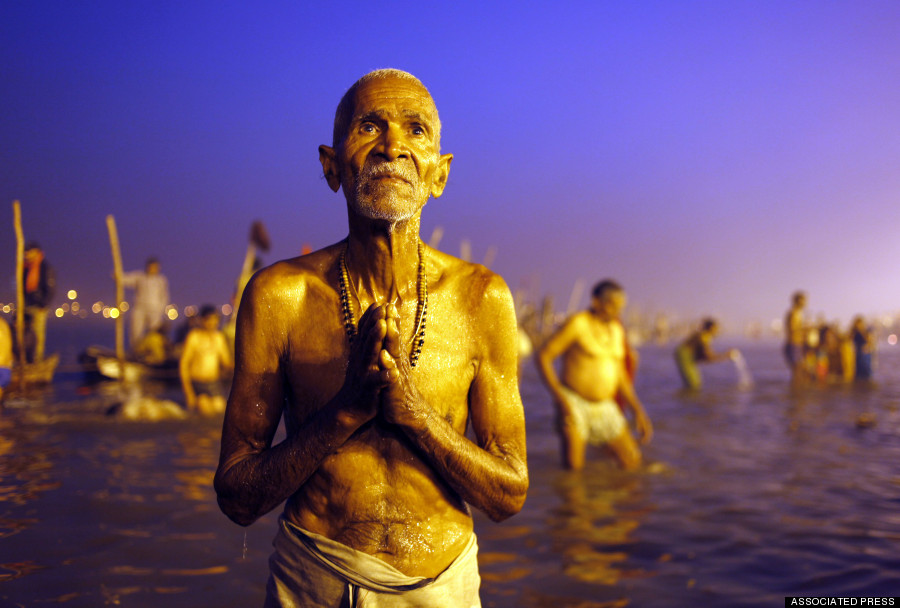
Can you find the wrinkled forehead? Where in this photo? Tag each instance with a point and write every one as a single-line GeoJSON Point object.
{"type": "Point", "coordinates": [394, 92]}
{"type": "Point", "coordinates": [385, 94]}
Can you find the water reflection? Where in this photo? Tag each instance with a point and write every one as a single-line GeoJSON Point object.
{"type": "Point", "coordinates": [592, 526]}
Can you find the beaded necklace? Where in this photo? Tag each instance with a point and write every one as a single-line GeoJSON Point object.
{"type": "Point", "coordinates": [418, 339]}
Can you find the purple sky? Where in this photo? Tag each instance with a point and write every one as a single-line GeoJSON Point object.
{"type": "Point", "coordinates": [712, 156]}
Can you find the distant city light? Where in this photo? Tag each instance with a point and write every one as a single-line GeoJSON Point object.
{"type": "Point", "coordinates": [226, 309]}
{"type": "Point", "coordinates": [97, 308]}
{"type": "Point", "coordinates": [72, 294]}
{"type": "Point", "coordinates": [7, 308]}
{"type": "Point", "coordinates": [123, 306]}
{"type": "Point", "coordinates": [892, 339]}
{"type": "Point", "coordinates": [60, 312]}
{"type": "Point", "coordinates": [113, 313]}
{"type": "Point", "coordinates": [172, 314]}
{"type": "Point", "coordinates": [190, 310]}
{"type": "Point", "coordinates": [76, 307]}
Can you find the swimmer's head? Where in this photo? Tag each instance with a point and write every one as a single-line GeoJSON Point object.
{"type": "Point", "coordinates": [209, 316]}
{"type": "Point", "coordinates": [608, 299]}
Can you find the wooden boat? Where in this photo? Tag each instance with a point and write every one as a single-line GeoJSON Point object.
{"type": "Point", "coordinates": [35, 373]}
{"type": "Point", "coordinates": [102, 361]}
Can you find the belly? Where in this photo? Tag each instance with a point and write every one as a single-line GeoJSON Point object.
{"type": "Point", "coordinates": [377, 496]}
{"type": "Point", "coordinates": [595, 379]}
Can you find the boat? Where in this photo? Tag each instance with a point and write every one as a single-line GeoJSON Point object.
{"type": "Point", "coordinates": [103, 362]}
{"type": "Point", "coordinates": [40, 372]}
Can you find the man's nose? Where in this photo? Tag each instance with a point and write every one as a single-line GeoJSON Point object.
{"type": "Point", "coordinates": [391, 145]}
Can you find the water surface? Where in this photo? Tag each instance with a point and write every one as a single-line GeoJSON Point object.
{"type": "Point", "coordinates": [750, 495]}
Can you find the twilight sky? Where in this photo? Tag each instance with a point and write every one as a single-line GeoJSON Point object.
{"type": "Point", "coordinates": [712, 156]}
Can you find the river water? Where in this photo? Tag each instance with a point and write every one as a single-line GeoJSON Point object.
{"type": "Point", "coordinates": [750, 495]}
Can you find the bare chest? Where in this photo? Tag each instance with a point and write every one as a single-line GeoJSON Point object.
{"type": "Point", "coordinates": [316, 368]}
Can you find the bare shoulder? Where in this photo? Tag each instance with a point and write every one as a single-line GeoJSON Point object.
{"type": "Point", "coordinates": [577, 321]}
{"type": "Point", "coordinates": [471, 287]}
{"type": "Point", "coordinates": [291, 282]}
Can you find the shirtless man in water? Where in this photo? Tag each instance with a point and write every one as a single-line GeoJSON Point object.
{"type": "Point", "coordinates": [795, 338]}
{"type": "Point", "coordinates": [205, 355]}
{"type": "Point", "coordinates": [593, 350]}
{"type": "Point", "coordinates": [379, 351]}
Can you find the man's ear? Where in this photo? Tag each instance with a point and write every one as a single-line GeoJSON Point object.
{"type": "Point", "coordinates": [440, 175]}
{"type": "Point", "coordinates": [328, 158]}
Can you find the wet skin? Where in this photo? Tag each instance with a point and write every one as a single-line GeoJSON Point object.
{"type": "Point", "coordinates": [591, 346]}
{"type": "Point", "coordinates": [376, 454]}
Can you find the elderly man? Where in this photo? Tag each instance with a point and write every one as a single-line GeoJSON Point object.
{"type": "Point", "coordinates": [379, 351]}
{"type": "Point", "coordinates": [592, 346]}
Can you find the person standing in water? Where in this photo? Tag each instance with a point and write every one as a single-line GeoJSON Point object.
{"type": "Point", "coordinates": [39, 283]}
{"type": "Point", "coordinates": [380, 352]}
{"type": "Point", "coordinates": [863, 339]}
{"type": "Point", "coordinates": [6, 356]}
{"type": "Point", "coordinates": [795, 338]}
{"type": "Point", "coordinates": [591, 344]}
{"type": "Point", "coordinates": [697, 348]}
{"type": "Point", "coordinates": [206, 354]}
{"type": "Point", "coordinates": [151, 296]}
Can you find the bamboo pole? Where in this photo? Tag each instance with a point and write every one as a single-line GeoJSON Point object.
{"type": "Point", "coordinates": [20, 290]}
{"type": "Point", "coordinates": [436, 235]}
{"type": "Point", "coordinates": [120, 291]}
{"type": "Point", "coordinates": [575, 296]}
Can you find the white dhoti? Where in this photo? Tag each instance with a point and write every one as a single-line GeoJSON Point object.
{"type": "Point", "coordinates": [597, 422]}
{"type": "Point", "coordinates": [308, 570]}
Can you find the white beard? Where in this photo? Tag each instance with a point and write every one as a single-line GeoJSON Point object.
{"type": "Point", "coordinates": [388, 200]}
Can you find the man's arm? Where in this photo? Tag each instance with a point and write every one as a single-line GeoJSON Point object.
{"type": "Point", "coordinates": [225, 359]}
{"type": "Point", "coordinates": [253, 476]}
{"type": "Point", "coordinates": [184, 366]}
{"type": "Point", "coordinates": [641, 420]}
{"type": "Point", "coordinates": [492, 475]}
{"type": "Point", "coordinates": [556, 345]}
{"type": "Point", "coordinates": [129, 279]}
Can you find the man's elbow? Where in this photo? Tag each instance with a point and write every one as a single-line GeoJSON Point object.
{"type": "Point", "coordinates": [234, 507]}
{"type": "Point", "coordinates": [510, 503]}
{"type": "Point", "coordinates": [239, 516]}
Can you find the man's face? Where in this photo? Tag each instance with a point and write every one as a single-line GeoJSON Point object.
{"type": "Point", "coordinates": [153, 268]}
{"type": "Point", "coordinates": [611, 305]}
{"type": "Point", "coordinates": [389, 163]}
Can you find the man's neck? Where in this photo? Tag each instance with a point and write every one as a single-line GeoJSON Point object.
{"type": "Point", "coordinates": [383, 259]}
{"type": "Point", "coordinates": [600, 316]}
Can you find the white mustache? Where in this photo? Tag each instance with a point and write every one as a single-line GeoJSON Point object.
{"type": "Point", "coordinates": [378, 170]}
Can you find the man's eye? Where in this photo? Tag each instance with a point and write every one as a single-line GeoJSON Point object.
{"type": "Point", "coordinates": [418, 131]}
{"type": "Point", "coordinates": [368, 127]}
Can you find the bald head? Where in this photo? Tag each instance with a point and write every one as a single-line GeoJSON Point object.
{"type": "Point", "coordinates": [344, 114]}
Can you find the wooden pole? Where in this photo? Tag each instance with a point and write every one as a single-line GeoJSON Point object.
{"type": "Point", "coordinates": [575, 296]}
{"type": "Point", "coordinates": [120, 291]}
{"type": "Point", "coordinates": [20, 290]}
{"type": "Point", "coordinates": [436, 235]}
